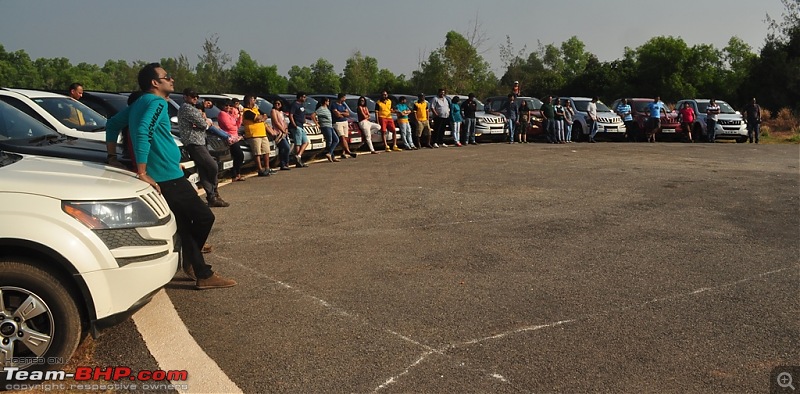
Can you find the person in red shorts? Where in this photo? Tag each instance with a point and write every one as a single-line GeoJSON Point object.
{"type": "Point", "coordinates": [384, 111]}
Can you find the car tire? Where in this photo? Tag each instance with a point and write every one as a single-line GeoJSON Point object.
{"type": "Point", "coordinates": [53, 325]}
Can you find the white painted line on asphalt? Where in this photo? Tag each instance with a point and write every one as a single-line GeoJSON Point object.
{"type": "Point", "coordinates": [394, 378]}
{"type": "Point", "coordinates": [173, 347]}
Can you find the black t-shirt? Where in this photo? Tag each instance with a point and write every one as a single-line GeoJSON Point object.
{"type": "Point", "coordinates": [469, 107]}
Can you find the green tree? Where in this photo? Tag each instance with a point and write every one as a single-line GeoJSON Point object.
{"type": "Point", "coordinates": [299, 79]}
{"type": "Point", "coordinates": [122, 75]}
{"type": "Point", "coordinates": [17, 70]}
{"type": "Point", "coordinates": [323, 78]}
{"type": "Point", "coordinates": [247, 76]}
{"type": "Point", "coordinates": [573, 52]}
{"type": "Point", "coordinates": [212, 76]}
{"type": "Point", "coordinates": [739, 59]}
{"type": "Point", "coordinates": [181, 70]}
{"type": "Point", "coordinates": [360, 74]}
{"type": "Point", "coordinates": [773, 78]}
{"type": "Point", "coordinates": [457, 66]}
{"type": "Point", "coordinates": [55, 72]}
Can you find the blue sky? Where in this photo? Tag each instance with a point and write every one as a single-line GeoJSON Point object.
{"type": "Point", "coordinates": [397, 33]}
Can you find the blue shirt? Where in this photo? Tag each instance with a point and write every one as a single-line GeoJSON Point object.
{"type": "Point", "coordinates": [341, 108]}
{"type": "Point", "coordinates": [455, 110]}
{"type": "Point", "coordinates": [148, 121]}
{"type": "Point", "coordinates": [400, 108]}
{"type": "Point", "coordinates": [624, 110]}
{"type": "Point", "coordinates": [655, 109]}
{"type": "Point", "coordinates": [511, 109]}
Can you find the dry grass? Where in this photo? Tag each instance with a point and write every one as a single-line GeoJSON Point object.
{"type": "Point", "coordinates": [783, 127]}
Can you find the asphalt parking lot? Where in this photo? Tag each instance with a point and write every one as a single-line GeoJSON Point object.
{"type": "Point", "coordinates": [505, 268]}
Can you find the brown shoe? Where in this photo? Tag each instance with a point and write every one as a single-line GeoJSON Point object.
{"type": "Point", "coordinates": [215, 281]}
{"type": "Point", "coordinates": [218, 202]}
{"type": "Point", "coordinates": [207, 248]}
{"type": "Point", "coordinates": [189, 271]}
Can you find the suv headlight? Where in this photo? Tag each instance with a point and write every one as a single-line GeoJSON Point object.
{"type": "Point", "coordinates": [129, 213]}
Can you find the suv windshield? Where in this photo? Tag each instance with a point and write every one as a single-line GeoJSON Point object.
{"type": "Point", "coordinates": [724, 108]}
{"type": "Point", "coordinates": [583, 105]}
{"type": "Point", "coordinates": [15, 124]}
{"type": "Point", "coordinates": [72, 113]}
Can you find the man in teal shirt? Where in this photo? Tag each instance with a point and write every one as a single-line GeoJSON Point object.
{"type": "Point", "coordinates": [158, 164]}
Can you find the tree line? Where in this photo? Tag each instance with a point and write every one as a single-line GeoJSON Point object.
{"type": "Point", "coordinates": [665, 66]}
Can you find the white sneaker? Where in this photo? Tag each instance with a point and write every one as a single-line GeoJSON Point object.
{"type": "Point", "coordinates": [444, 145]}
{"type": "Point", "coordinates": [435, 145]}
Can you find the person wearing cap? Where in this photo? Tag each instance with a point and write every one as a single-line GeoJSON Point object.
{"type": "Point", "coordinates": [192, 126]}
{"type": "Point", "coordinates": [423, 125]}
{"type": "Point", "coordinates": [515, 89]}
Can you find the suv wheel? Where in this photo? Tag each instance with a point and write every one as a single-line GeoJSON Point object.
{"type": "Point", "coordinates": [39, 320]}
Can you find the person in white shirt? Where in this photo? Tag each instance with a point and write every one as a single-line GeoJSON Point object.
{"type": "Point", "coordinates": [711, 119]}
{"type": "Point", "coordinates": [591, 110]}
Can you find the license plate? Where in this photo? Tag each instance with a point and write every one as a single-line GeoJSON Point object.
{"type": "Point", "coordinates": [730, 132]}
{"type": "Point", "coordinates": [612, 129]}
{"type": "Point", "coordinates": [318, 146]}
{"type": "Point", "coordinates": [667, 130]}
{"type": "Point", "coordinates": [497, 131]}
{"type": "Point", "coordinates": [227, 165]}
{"type": "Point", "coordinates": [194, 178]}
{"type": "Point", "coordinates": [355, 140]}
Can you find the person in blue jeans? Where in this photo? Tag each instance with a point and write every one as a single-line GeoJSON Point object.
{"type": "Point", "coordinates": [711, 120]}
{"type": "Point", "coordinates": [591, 110]}
{"type": "Point", "coordinates": [455, 113]}
{"type": "Point", "coordinates": [511, 111]}
{"type": "Point", "coordinates": [323, 118]}
{"type": "Point", "coordinates": [469, 107]}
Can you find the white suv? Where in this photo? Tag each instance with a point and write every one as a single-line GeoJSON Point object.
{"type": "Point", "coordinates": [82, 247]}
{"type": "Point", "coordinates": [730, 123]}
{"type": "Point", "coordinates": [58, 112]}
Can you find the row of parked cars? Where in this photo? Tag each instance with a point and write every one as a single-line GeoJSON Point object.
{"type": "Point", "coordinates": [60, 136]}
{"type": "Point", "coordinates": [730, 125]}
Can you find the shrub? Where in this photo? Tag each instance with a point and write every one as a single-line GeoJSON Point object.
{"type": "Point", "coordinates": [785, 120]}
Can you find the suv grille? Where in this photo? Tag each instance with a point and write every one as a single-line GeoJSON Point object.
{"type": "Point", "coordinates": [615, 119]}
{"type": "Point", "coordinates": [156, 203]}
{"type": "Point", "coordinates": [312, 128]}
{"type": "Point", "coordinates": [729, 122]}
{"type": "Point", "coordinates": [118, 238]}
{"type": "Point", "coordinates": [492, 120]}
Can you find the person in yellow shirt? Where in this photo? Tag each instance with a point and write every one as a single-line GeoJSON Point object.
{"type": "Point", "coordinates": [255, 132]}
{"type": "Point", "coordinates": [423, 126]}
{"type": "Point", "coordinates": [75, 115]}
{"type": "Point", "coordinates": [383, 111]}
